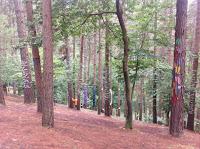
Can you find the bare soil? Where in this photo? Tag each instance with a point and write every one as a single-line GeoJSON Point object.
{"type": "Point", "coordinates": [20, 128]}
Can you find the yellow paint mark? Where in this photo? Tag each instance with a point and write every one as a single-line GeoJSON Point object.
{"type": "Point", "coordinates": [177, 69]}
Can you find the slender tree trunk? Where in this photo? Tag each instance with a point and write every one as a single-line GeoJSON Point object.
{"type": "Point", "coordinates": [74, 47]}
{"type": "Point", "coordinates": [154, 71]}
{"type": "Point", "coordinates": [198, 113]}
{"type": "Point", "coordinates": [191, 112]}
{"type": "Point", "coordinates": [80, 74]}
{"type": "Point", "coordinates": [48, 110]}
{"type": "Point", "coordinates": [94, 62]}
{"type": "Point", "coordinates": [74, 58]}
{"type": "Point", "coordinates": [21, 29]}
{"type": "Point", "coordinates": [125, 103]}
{"type": "Point", "coordinates": [69, 82]}
{"type": "Point", "coordinates": [2, 100]}
{"type": "Point", "coordinates": [111, 83]}
{"type": "Point", "coordinates": [171, 19]}
{"type": "Point", "coordinates": [177, 100]}
{"type": "Point", "coordinates": [89, 59]}
{"type": "Point", "coordinates": [14, 88]}
{"type": "Point", "coordinates": [106, 73]}
{"type": "Point", "coordinates": [36, 55]}
{"type": "Point", "coordinates": [100, 77]}
{"type": "Point", "coordinates": [129, 117]}
{"type": "Point", "coordinates": [141, 99]}
{"type": "Point", "coordinates": [118, 100]}
{"type": "Point", "coordinates": [85, 60]}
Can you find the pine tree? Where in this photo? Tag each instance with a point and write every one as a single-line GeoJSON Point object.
{"type": "Point", "coordinates": [47, 110]}
{"type": "Point", "coordinates": [177, 100]}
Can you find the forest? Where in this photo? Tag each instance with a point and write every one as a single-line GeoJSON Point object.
{"type": "Point", "coordinates": [84, 74]}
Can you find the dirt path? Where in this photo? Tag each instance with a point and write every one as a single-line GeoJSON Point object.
{"type": "Point", "coordinates": [20, 128]}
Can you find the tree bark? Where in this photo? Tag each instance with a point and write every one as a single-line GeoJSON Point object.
{"type": "Point", "coordinates": [2, 100]}
{"type": "Point", "coordinates": [154, 70]}
{"type": "Point", "coordinates": [129, 117]}
{"type": "Point", "coordinates": [118, 100]}
{"type": "Point", "coordinates": [80, 73]}
{"type": "Point", "coordinates": [35, 53]}
{"type": "Point", "coordinates": [69, 82]}
{"type": "Point", "coordinates": [191, 112]}
{"type": "Point", "coordinates": [177, 100]}
{"type": "Point", "coordinates": [74, 59]}
{"type": "Point", "coordinates": [48, 110]}
{"type": "Point", "coordinates": [106, 73]}
{"type": "Point", "coordinates": [21, 29]}
{"type": "Point", "coordinates": [141, 99]}
{"type": "Point", "coordinates": [94, 62]}
{"type": "Point", "coordinates": [198, 113]}
{"type": "Point", "coordinates": [89, 60]}
{"type": "Point", "coordinates": [100, 77]}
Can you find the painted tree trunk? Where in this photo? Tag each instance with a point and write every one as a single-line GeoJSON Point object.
{"type": "Point", "coordinates": [100, 77]}
{"type": "Point", "coordinates": [106, 73]}
{"type": "Point", "coordinates": [21, 29]}
{"type": "Point", "coordinates": [36, 55]}
{"type": "Point", "coordinates": [48, 109]}
{"type": "Point", "coordinates": [177, 100]}
{"type": "Point", "coordinates": [129, 117]}
{"type": "Point", "coordinates": [191, 112]}
{"type": "Point", "coordinates": [80, 73]}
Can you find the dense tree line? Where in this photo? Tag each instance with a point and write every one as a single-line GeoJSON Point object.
{"type": "Point", "coordinates": [110, 56]}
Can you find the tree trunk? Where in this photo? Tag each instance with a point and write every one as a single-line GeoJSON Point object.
{"type": "Point", "coordinates": [74, 58]}
{"type": "Point", "coordinates": [118, 100]}
{"type": "Point", "coordinates": [125, 103]}
{"type": "Point", "coordinates": [14, 88]}
{"type": "Point", "coordinates": [80, 74]}
{"type": "Point", "coordinates": [85, 96]}
{"type": "Point", "coordinates": [94, 62]}
{"type": "Point", "coordinates": [154, 71]}
{"type": "Point", "coordinates": [198, 113]}
{"type": "Point", "coordinates": [191, 112]}
{"type": "Point", "coordinates": [89, 60]}
{"type": "Point", "coordinates": [2, 100]}
{"type": "Point", "coordinates": [21, 29]}
{"type": "Point", "coordinates": [85, 60]}
{"type": "Point", "coordinates": [100, 77]}
{"type": "Point", "coordinates": [111, 83]}
{"type": "Point", "coordinates": [106, 73]}
{"type": "Point", "coordinates": [74, 47]}
{"type": "Point", "coordinates": [129, 117]}
{"type": "Point", "coordinates": [48, 110]}
{"type": "Point", "coordinates": [36, 55]}
{"type": "Point", "coordinates": [69, 82]}
{"type": "Point", "coordinates": [141, 99]}
{"type": "Point", "coordinates": [177, 100]}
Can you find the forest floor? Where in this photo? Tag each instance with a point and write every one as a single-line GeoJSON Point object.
{"type": "Point", "coordinates": [20, 128]}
